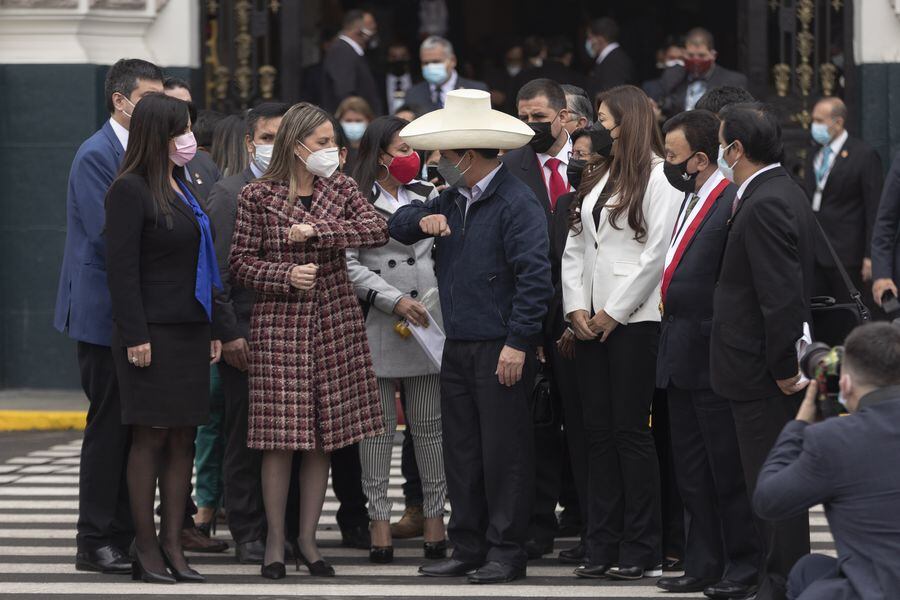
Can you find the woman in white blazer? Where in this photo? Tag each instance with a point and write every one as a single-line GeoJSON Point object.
{"type": "Point", "coordinates": [391, 281]}
{"type": "Point", "coordinates": [611, 273]}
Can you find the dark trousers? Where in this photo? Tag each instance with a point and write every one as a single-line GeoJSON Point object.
{"type": "Point", "coordinates": [673, 515]}
{"type": "Point", "coordinates": [488, 453]}
{"type": "Point", "coordinates": [758, 424]}
{"type": "Point", "coordinates": [616, 380]}
{"type": "Point", "coordinates": [104, 516]}
{"type": "Point", "coordinates": [240, 465]}
{"type": "Point", "coordinates": [817, 577]}
{"type": "Point", "coordinates": [547, 461]}
{"type": "Point", "coordinates": [573, 484]}
{"type": "Point", "coordinates": [722, 540]}
{"type": "Point", "coordinates": [346, 481]}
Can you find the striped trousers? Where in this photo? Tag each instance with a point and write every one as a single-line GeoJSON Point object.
{"type": "Point", "coordinates": [423, 416]}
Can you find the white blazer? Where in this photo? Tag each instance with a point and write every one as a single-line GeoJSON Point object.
{"type": "Point", "coordinates": [605, 267]}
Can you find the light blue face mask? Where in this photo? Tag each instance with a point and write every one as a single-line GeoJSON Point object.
{"type": "Point", "coordinates": [820, 133]}
{"type": "Point", "coordinates": [354, 130]}
{"type": "Point", "coordinates": [589, 48]}
{"type": "Point", "coordinates": [726, 170]}
{"type": "Point", "coordinates": [435, 73]}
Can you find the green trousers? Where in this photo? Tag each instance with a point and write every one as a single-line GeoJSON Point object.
{"type": "Point", "coordinates": [210, 447]}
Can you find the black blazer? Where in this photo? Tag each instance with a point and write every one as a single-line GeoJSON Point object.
{"type": "Point", "coordinates": [674, 83]}
{"type": "Point", "coordinates": [849, 201]}
{"type": "Point", "coordinates": [762, 296]}
{"type": "Point", "coordinates": [555, 322]}
{"type": "Point", "coordinates": [151, 270]}
{"type": "Point", "coordinates": [419, 94]}
{"type": "Point", "coordinates": [616, 69]}
{"type": "Point", "coordinates": [234, 303]}
{"type": "Point", "coordinates": [683, 358]}
{"type": "Point", "coordinates": [346, 73]}
{"type": "Point", "coordinates": [204, 174]}
{"type": "Point", "coordinates": [885, 249]}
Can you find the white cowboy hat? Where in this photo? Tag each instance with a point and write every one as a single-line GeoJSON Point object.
{"type": "Point", "coordinates": [466, 121]}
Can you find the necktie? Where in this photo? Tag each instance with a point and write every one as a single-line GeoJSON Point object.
{"type": "Point", "coordinates": [823, 166]}
{"type": "Point", "coordinates": [557, 186]}
{"type": "Point", "coordinates": [436, 97]}
{"type": "Point", "coordinates": [692, 202]}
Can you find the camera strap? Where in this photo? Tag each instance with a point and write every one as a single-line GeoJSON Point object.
{"type": "Point", "coordinates": [864, 313]}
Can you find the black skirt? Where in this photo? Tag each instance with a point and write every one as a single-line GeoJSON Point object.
{"type": "Point", "coordinates": [174, 390]}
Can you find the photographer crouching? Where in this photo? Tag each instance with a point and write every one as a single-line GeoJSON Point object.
{"type": "Point", "coordinates": [848, 465]}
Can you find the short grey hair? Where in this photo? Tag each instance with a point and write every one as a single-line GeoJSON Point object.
{"type": "Point", "coordinates": [578, 103]}
{"type": "Point", "coordinates": [434, 41]}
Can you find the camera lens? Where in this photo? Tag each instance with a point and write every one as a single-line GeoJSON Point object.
{"type": "Point", "coordinates": [815, 353]}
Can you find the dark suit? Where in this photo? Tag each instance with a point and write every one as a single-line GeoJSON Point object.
{"type": "Point", "coordinates": [675, 82]}
{"type": "Point", "coordinates": [204, 174]}
{"type": "Point", "coordinates": [847, 214]}
{"type": "Point", "coordinates": [615, 69]}
{"type": "Point", "coordinates": [346, 73]}
{"type": "Point", "coordinates": [241, 465]}
{"type": "Point", "coordinates": [885, 249]}
{"type": "Point", "coordinates": [84, 312]}
{"type": "Point", "coordinates": [834, 463]}
{"type": "Point", "coordinates": [420, 95]}
{"type": "Point", "coordinates": [722, 542]}
{"type": "Point", "coordinates": [760, 304]}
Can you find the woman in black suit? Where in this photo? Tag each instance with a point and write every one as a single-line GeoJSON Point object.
{"type": "Point", "coordinates": [161, 269]}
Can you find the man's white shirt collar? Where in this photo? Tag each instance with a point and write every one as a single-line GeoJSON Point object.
{"type": "Point", "coordinates": [474, 195]}
{"type": "Point", "coordinates": [359, 49]}
{"type": "Point", "coordinates": [606, 52]}
{"type": "Point", "coordinates": [121, 133]}
{"type": "Point", "coordinates": [740, 192]}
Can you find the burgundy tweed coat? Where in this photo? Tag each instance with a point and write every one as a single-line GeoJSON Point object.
{"type": "Point", "coordinates": [312, 384]}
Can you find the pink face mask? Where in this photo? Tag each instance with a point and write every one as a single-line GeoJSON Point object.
{"type": "Point", "coordinates": [185, 149]}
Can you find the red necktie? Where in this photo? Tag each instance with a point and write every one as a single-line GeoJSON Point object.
{"type": "Point", "coordinates": [558, 187]}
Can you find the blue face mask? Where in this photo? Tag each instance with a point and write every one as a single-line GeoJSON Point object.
{"type": "Point", "coordinates": [354, 130]}
{"type": "Point", "coordinates": [726, 170]}
{"type": "Point", "coordinates": [820, 133]}
{"type": "Point", "coordinates": [435, 73]}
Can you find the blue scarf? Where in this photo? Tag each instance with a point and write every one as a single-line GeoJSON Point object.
{"type": "Point", "coordinates": [207, 267]}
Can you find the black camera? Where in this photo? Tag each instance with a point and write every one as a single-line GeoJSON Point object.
{"type": "Point", "coordinates": [822, 364]}
{"type": "Point", "coordinates": [890, 305]}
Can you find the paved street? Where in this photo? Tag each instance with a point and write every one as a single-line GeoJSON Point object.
{"type": "Point", "coordinates": [38, 511]}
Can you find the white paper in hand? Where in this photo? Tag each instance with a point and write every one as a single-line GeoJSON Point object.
{"type": "Point", "coordinates": [431, 339]}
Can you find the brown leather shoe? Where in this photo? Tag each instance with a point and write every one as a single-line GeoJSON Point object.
{"type": "Point", "coordinates": [193, 541]}
{"type": "Point", "coordinates": [410, 525]}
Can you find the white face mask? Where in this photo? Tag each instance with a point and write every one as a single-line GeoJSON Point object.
{"type": "Point", "coordinates": [132, 106]}
{"type": "Point", "coordinates": [262, 156]}
{"type": "Point", "coordinates": [726, 169]}
{"type": "Point", "coordinates": [322, 162]}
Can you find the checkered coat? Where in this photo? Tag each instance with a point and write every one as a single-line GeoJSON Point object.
{"type": "Point", "coordinates": [311, 379]}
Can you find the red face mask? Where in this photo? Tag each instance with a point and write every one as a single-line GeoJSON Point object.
{"type": "Point", "coordinates": [405, 168]}
{"type": "Point", "coordinates": [697, 67]}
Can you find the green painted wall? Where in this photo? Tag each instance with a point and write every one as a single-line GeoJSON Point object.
{"type": "Point", "coordinates": [46, 112]}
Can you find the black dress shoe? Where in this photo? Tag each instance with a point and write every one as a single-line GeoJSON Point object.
{"type": "Point", "coordinates": [356, 537]}
{"type": "Point", "coordinates": [592, 571]}
{"type": "Point", "coordinates": [625, 573]}
{"type": "Point", "coordinates": [320, 568]}
{"type": "Point", "coordinates": [250, 553]}
{"type": "Point", "coordinates": [730, 590]}
{"type": "Point", "coordinates": [683, 585]}
{"type": "Point", "coordinates": [381, 555]}
{"type": "Point", "coordinates": [538, 548]}
{"type": "Point", "coordinates": [106, 559]}
{"type": "Point", "coordinates": [449, 567]}
{"type": "Point", "coordinates": [189, 575]}
{"type": "Point", "coordinates": [139, 573]}
{"type": "Point", "coordinates": [672, 565]}
{"type": "Point", "coordinates": [496, 572]}
{"type": "Point", "coordinates": [572, 556]}
{"type": "Point", "coordinates": [435, 550]}
{"type": "Point", "coordinates": [273, 570]}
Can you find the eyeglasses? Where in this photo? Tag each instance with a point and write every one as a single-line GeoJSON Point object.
{"type": "Point", "coordinates": [579, 155]}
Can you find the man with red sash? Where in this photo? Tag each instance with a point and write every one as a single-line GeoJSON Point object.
{"type": "Point", "coordinates": [722, 554]}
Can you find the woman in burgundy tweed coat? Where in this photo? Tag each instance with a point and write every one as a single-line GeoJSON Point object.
{"type": "Point", "coordinates": [312, 386]}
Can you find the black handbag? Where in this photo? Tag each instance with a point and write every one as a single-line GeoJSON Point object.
{"type": "Point", "coordinates": [542, 412]}
{"type": "Point", "coordinates": [832, 322]}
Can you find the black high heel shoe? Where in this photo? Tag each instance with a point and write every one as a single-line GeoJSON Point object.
{"type": "Point", "coordinates": [273, 570]}
{"type": "Point", "coordinates": [436, 550]}
{"type": "Point", "coordinates": [190, 576]}
{"type": "Point", "coordinates": [381, 555]}
{"type": "Point", "coordinates": [320, 568]}
{"type": "Point", "coordinates": [139, 573]}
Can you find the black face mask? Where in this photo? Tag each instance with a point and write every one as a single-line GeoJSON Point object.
{"type": "Point", "coordinates": [398, 68]}
{"type": "Point", "coordinates": [543, 138]}
{"type": "Point", "coordinates": [678, 176]}
{"type": "Point", "coordinates": [601, 140]}
{"type": "Point", "coordinates": [574, 171]}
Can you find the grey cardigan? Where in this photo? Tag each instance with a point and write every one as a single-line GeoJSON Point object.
{"type": "Point", "coordinates": [380, 277]}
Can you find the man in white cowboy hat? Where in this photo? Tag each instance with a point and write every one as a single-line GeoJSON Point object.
{"type": "Point", "coordinates": [494, 281]}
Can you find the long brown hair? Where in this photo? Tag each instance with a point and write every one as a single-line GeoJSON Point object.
{"type": "Point", "coordinates": [630, 165]}
{"type": "Point", "coordinates": [156, 119]}
{"type": "Point", "coordinates": [297, 124]}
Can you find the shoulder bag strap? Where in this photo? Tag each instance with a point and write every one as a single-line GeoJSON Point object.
{"type": "Point", "coordinates": [854, 293]}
